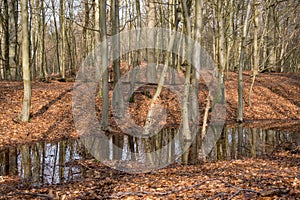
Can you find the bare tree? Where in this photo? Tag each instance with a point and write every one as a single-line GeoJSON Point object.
{"type": "Point", "coordinates": [25, 114]}
{"type": "Point", "coordinates": [62, 7]}
{"type": "Point", "coordinates": [5, 28]}
{"type": "Point", "coordinates": [104, 78]}
{"type": "Point", "coordinates": [13, 39]}
{"type": "Point", "coordinates": [41, 40]}
{"type": "Point", "coordinates": [151, 18]}
{"type": "Point", "coordinates": [255, 48]}
{"type": "Point", "coordinates": [242, 64]}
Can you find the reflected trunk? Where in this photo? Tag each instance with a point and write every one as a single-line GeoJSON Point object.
{"type": "Point", "coordinates": [240, 141]}
{"type": "Point", "coordinates": [26, 161]}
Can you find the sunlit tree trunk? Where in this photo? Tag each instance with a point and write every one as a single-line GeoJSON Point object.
{"type": "Point", "coordinates": [264, 38]}
{"type": "Point", "coordinates": [41, 40]}
{"type": "Point", "coordinates": [115, 23]}
{"type": "Point", "coordinates": [104, 66]}
{"type": "Point", "coordinates": [33, 26]}
{"type": "Point", "coordinates": [117, 97]}
{"type": "Point", "coordinates": [13, 42]}
{"type": "Point", "coordinates": [186, 132]}
{"type": "Point", "coordinates": [25, 114]}
{"type": "Point", "coordinates": [221, 52]}
{"type": "Point", "coordinates": [98, 38]}
{"type": "Point", "coordinates": [62, 7]}
{"type": "Point", "coordinates": [229, 38]}
{"type": "Point", "coordinates": [151, 19]}
{"type": "Point", "coordinates": [70, 40]}
{"type": "Point", "coordinates": [137, 52]}
{"type": "Point", "coordinates": [92, 42]}
{"type": "Point", "coordinates": [56, 36]}
{"type": "Point", "coordinates": [255, 49]}
{"type": "Point", "coordinates": [242, 64]}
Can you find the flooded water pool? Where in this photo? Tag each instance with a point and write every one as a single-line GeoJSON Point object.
{"type": "Point", "coordinates": [53, 162]}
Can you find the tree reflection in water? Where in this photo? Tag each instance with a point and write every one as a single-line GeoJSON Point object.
{"type": "Point", "coordinates": [48, 163]}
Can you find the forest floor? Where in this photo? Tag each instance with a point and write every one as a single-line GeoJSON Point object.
{"type": "Point", "coordinates": [275, 105]}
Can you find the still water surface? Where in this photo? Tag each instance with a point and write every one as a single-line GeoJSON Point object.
{"type": "Point", "coordinates": [51, 162]}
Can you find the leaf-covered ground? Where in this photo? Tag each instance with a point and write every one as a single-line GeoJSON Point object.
{"type": "Point", "coordinates": [275, 105]}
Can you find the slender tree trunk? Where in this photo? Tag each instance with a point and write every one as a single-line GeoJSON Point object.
{"type": "Point", "coordinates": [41, 40]}
{"type": "Point", "coordinates": [115, 21]}
{"type": "Point", "coordinates": [85, 31]}
{"type": "Point", "coordinates": [117, 97]}
{"type": "Point", "coordinates": [63, 40]}
{"type": "Point", "coordinates": [151, 70]}
{"type": "Point", "coordinates": [97, 21]}
{"type": "Point", "coordinates": [186, 132]}
{"type": "Point", "coordinates": [13, 28]}
{"type": "Point", "coordinates": [25, 63]}
{"type": "Point", "coordinates": [71, 40]}
{"type": "Point", "coordinates": [241, 65]}
{"type": "Point", "coordinates": [98, 38]}
{"type": "Point", "coordinates": [255, 49]}
{"type": "Point", "coordinates": [104, 67]}
{"type": "Point", "coordinates": [6, 41]}
{"type": "Point", "coordinates": [56, 36]}
{"type": "Point", "coordinates": [32, 38]}
{"type": "Point", "coordinates": [25, 152]}
{"type": "Point", "coordinates": [229, 38]}
{"type": "Point", "coordinates": [137, 52]}
{"type": "Point", "coordinates": [221, 53]}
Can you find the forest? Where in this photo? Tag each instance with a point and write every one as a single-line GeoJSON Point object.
{"type": "Point", "coordinates": [156, 99]}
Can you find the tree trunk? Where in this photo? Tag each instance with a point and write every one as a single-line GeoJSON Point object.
{"type": "Point", "coordinates": [13, 35]}
{"type": "Point", "coordinates": [56, 36]}
{"type": "Point", "coordinates": [6, 41]}
{"type": "Point", "coordinates": [85, 32]}
{"type": "Point", "coordinates": [151, 70]}
{"type": "Point", "coordinates": [63, 39]}
{"type": "Point", "coordinates": [186, 132]}
{"type": "Point", "coordinates": [255, 49]}
{"type": "Point", "coordinates": [137, 52]}
{"type": "Point", "coordinates": [25, 63]}
{"type": "Point", "coordinates": [25, 152]}
{"type": "Point", "coordinates": [32, 38]}
{"type": "Point", "coordinates": [118, 104]}
{"type": "Point", "coordinates": [41, 40]}
{"type": "Point", "coordinates": [104, 67]}
{"type": "Point", "coordinates": [241, 65]}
